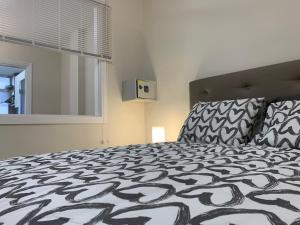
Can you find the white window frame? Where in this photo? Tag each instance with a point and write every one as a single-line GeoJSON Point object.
{"type": "Point", "coordinates": [101, 99]}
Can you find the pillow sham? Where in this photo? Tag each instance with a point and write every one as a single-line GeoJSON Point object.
{"type": "Point", "coordinates": [281, 127]}
{"type": "Point", "coordinates": [229, 122]}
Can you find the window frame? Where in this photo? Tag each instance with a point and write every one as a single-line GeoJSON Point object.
{"type": "Point", "coordinates": [101, 98]}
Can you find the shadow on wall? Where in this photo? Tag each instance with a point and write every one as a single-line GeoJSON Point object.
{"type": "Point", "coordinates": [148, 67]}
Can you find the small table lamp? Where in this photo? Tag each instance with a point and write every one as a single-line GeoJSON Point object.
{"type": "Point", "coordinates": [158, 134]}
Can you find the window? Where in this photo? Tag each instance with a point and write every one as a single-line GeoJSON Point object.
{"type": "Point", "coordinates": [67, 85]}
{"type": "Point", "coordinates": [63, 88]}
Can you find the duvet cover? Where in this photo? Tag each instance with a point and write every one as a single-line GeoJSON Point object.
{"type": "Point", "coordinates": [157, 184]}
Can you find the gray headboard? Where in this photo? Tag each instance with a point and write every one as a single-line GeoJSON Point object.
{"type": "Point", "coordinates": [274, 81]}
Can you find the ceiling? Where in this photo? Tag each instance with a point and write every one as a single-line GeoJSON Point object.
{"type": "Point", "coordinates": [9, 70]}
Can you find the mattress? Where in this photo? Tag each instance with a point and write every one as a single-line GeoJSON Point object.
{"type": "Point", "coordinates": [158, 184]}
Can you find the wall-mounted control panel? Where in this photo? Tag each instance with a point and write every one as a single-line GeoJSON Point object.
{"type": "Point", "coordinates": [139, 90]}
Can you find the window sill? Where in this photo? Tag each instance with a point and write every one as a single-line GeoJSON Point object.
{"type": "Point", "coordinates": [48, 119]}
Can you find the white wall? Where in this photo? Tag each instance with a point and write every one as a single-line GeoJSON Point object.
{"type": "Point", "coordinates": [191, 39]}
{"type": "Point", "coordinates": [126, 121]}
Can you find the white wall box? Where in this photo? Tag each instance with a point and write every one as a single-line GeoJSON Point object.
{"type": "Point", "coordinates": [139, 90]}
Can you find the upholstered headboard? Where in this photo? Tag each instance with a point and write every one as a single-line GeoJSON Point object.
{"type": "Point", "coordinates": [274, 81]}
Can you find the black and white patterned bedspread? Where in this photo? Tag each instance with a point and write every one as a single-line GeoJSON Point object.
{"type": "Point", "coordinates": [161, 184]}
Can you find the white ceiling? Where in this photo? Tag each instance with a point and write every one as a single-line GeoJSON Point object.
{"type": "Point", "coordinates": [9, 71]}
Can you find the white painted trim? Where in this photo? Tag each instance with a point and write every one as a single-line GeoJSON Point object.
{"type": "Point", "coordinates": [97, 87]}
{"type": "Point", "coordinates": [28, 89]}
{"type": "Point", "coordinates": [48, 119]}
{"type": "Point", "coordinates": [104, 90]}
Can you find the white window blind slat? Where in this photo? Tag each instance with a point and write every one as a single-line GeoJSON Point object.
{"type": "Point", "coordinates": [46, 24]}
{"type": "Point", "coordinates": [71, 27]}
{"type": "Point", "coordinates": [90, 23]}
{"type": "Point", "coordinates": [76, 26]}
{"type": "Point", "coordinates": [16, 20]}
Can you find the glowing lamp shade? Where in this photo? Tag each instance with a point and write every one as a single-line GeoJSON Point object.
{"type": "Point", "coordinates": [158, 134]}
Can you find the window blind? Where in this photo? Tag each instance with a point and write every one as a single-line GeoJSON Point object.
{"type": "Point", "coordinates": [76, 26]}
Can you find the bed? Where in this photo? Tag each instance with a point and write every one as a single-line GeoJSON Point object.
{"type": "Point", "coordinates": [164, 184]}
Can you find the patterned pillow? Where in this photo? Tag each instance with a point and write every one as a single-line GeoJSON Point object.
{"type": "Point", "coordinates": [281, 127]}
{"type": "Point", "coordinates": [228, 122]}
